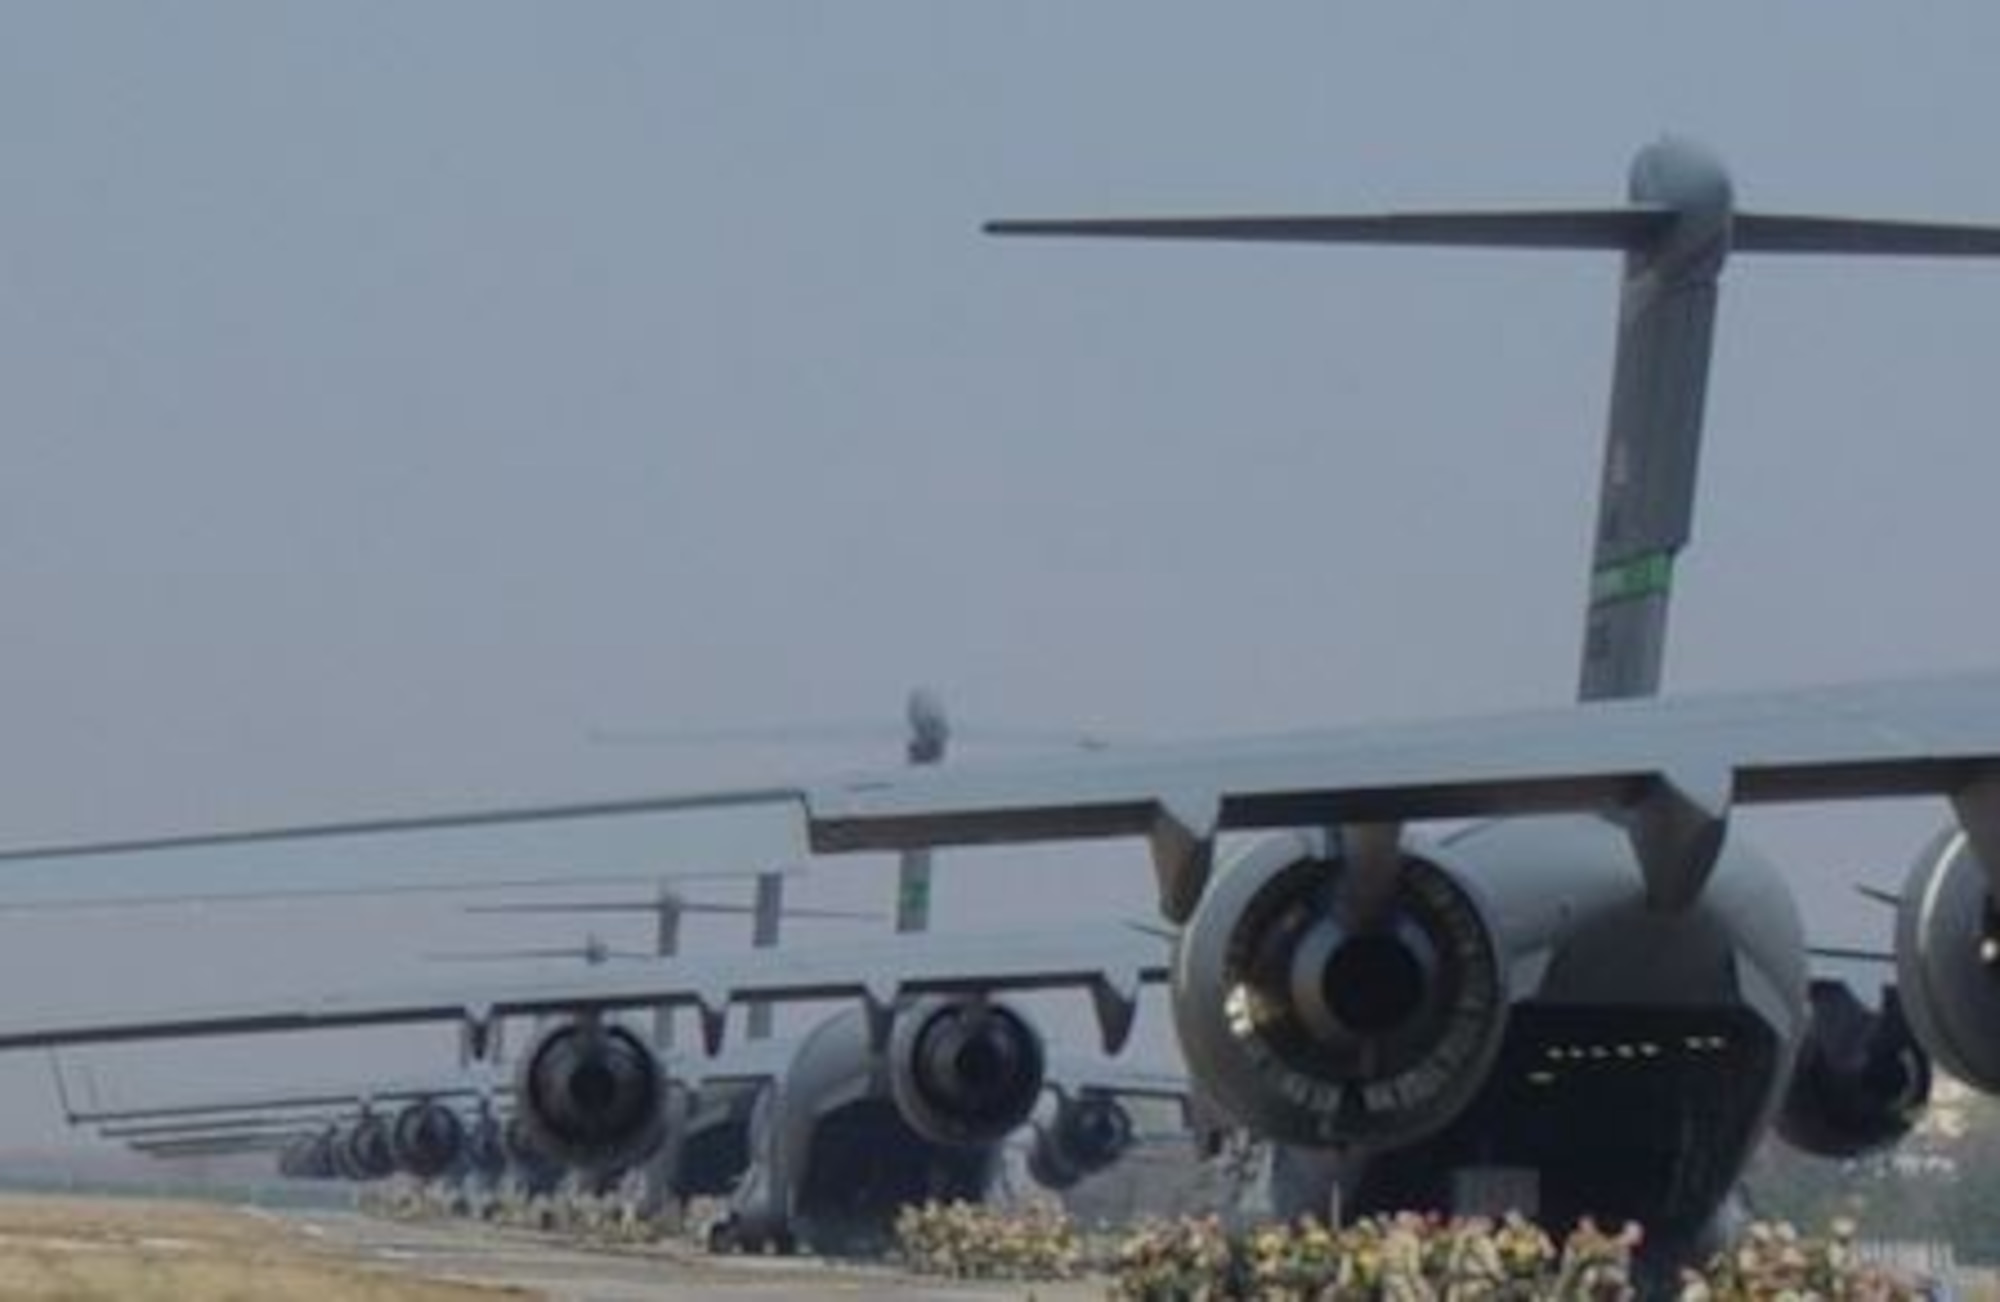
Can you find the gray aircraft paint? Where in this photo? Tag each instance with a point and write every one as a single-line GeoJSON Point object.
{"type": "Point", "coordinates": [1670, 769]}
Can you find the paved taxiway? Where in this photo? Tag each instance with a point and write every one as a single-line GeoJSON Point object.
{"type": "Point", "coordinates": [483, 1254]}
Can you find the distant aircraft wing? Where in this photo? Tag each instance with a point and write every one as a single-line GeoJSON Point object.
{"type": "Point", "coordinates": [1073, 1074]}
{"type": "Point", "coordinates": [1657, 761]}
{"type": "Point", "coordinates": [295, 1099]}
{"type": "Point", "coordinates": [1109, 961]}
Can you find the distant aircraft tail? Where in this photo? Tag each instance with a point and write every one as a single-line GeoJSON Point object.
{"type": "Point", "coordinates": [1676, 232]}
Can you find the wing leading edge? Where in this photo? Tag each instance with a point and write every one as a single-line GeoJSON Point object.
{"type": "Point", "coordinates": [1109, 961]}
{"type": "Point", "coordinates": [1694, 755]}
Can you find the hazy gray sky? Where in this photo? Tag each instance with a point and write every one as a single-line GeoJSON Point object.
{"type": "Point", "coordinates": [391, 393]}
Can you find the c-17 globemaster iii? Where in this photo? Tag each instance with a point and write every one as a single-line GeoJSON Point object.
{"type": "Point", "coordinates": [816, 1140]}
{"type": "Point", "coordinates": [1596, 998]}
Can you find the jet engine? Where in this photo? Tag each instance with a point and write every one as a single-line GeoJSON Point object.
{"type": "Point", "coordinates": [1948, 961]}
{"type": "Point", "coordinates": [485, 1145]}
{"type": "Point", "coordinates": [533, 1170]}
{"type": "Point", "coordinates": [1086, 1135]}
{"type": "Point", "coordinates": [591, 1095]}
{"type": "Point", "coordinates": [1860, 1081]}
{"type": "Point", "coordinates": [309, 1157]}
{"type": "Point", "coordinates": [1331, 1004]}
{"type": "Point", "coordinates": [427, 1138]}
{"type": "Point", "coordinates": [365, 1151]}
{"type": "Point", "coordinates": [965, 1071]}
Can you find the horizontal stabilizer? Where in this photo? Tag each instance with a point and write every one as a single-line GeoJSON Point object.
{"type": "Point", "coordinates": [1533, 229]}
{"type": "Point", "coordinates": [1580, 228]}
{"type": "Point", "coordinates": [1623, 228]}
{"type": "Point", "coordinates": [1777, 233]}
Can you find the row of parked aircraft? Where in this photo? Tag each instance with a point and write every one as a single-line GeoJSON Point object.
{"type": "Point", "coordinates": [815, 1140]}
{"type": "Point", "coordinates": [1594, 997]}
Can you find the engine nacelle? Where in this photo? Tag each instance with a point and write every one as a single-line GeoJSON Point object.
{"type": "Point", "coordinates": [1948, 961]}
{"type": "Point", "coordinates": [591, 1095]}
{"type": "Point", "coordinates": [427, 1138]}
{"type": "Point", "coordinates": [1086, 1135]}
{"type": "Point", "coordinates": [965, 1071]}
{"type": "Point", "coordinates": [1313, 1032]}
{"type": "Point", "coordinates": [364, 1151]}
{"type": "Point", "coordinates": [485, 1145]}
{"type": "Point", "coordinates": [320, 1161]}
{"type": "Point", "coordinates": [535, 1171]}
{"type": "Point", "coordinates": [1861, 1080]}
{"type": "Point", "coordinates": [309, 1157]}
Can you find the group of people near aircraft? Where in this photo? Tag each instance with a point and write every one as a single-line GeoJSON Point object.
{"type": "Point", "coordinates": [1594, 997]}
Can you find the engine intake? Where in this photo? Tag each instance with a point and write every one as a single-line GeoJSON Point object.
{"type": "Point", "coordinates": [965, 1071]}
{"type": "Point", "coordinates": [365, 1152]}
{"type": "Point", "coordinates": [1085, 1136]}
{"type": "Point", "coordinates": [591, 1096]}
{"type": "Point", "coordinates": [1948, 961]}
{"type": "Point", "coordinates": [428, 1138]}
{"type": "Point", "coordinates": [1355, 1034]}
{"type": "Point", "coordinates": [309, 1157]}
{"type": "Point", "coordinates": [1861, 1081]}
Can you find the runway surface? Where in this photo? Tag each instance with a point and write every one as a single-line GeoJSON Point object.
{"type": "Point", "coordinates": [133, 1249]}
{"type": "Point", "coordinates": [543, 1266]}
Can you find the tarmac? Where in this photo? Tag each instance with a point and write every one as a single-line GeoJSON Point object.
{"type": "Point", "coordinates": [71, 1248]}
{"type": "Point", "coordinates": [473, 1253]}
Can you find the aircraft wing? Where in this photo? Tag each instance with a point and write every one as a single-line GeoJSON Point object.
{"type": "Point", "coordinates": [297, 1099]}
{"type": "Point", "coordinates": [1671, 768]}
{"type": "Point", "coordinates": [1109, 961]}
{"type": "Point", "coordinates": [1664, 760]}
{"type": "Point", "coordinates": [1872, 739]}
{"type": "Point", "coordinates": [1076, 1075]}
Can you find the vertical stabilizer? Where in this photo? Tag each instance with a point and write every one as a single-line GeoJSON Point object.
{"type": "Point", "coordinates": [666, 944]}
{"type": "Point", "coordinates": [1679, 226]}
{"type": "Point", "coordinates": [769, 908]}
{"type": "Point", "coordinates": [1652, 442]}
{"type": "Point", "coordinates": [930, 736]}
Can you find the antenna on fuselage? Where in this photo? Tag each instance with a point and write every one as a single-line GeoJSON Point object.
{"type": "Point", "coordinates": [1678, 229]}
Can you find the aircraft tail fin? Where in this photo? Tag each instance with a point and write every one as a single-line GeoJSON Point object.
{"type": "Point", "coordinates": [767, 914]}
{"type": "Point", "coordinates": [1676, 229]}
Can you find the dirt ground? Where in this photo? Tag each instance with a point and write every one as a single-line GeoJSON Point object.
{"type": "Point", "coordinates": [132, 1250]}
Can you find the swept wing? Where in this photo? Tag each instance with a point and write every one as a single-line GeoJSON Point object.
{"type": "Point", "coordinates": [1109, 961]}
{"type": "Point", "coordinates": [1661, 762]}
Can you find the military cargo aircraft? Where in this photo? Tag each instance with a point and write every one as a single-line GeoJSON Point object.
{"type": "Point", "coordinates": [1594, 998]}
